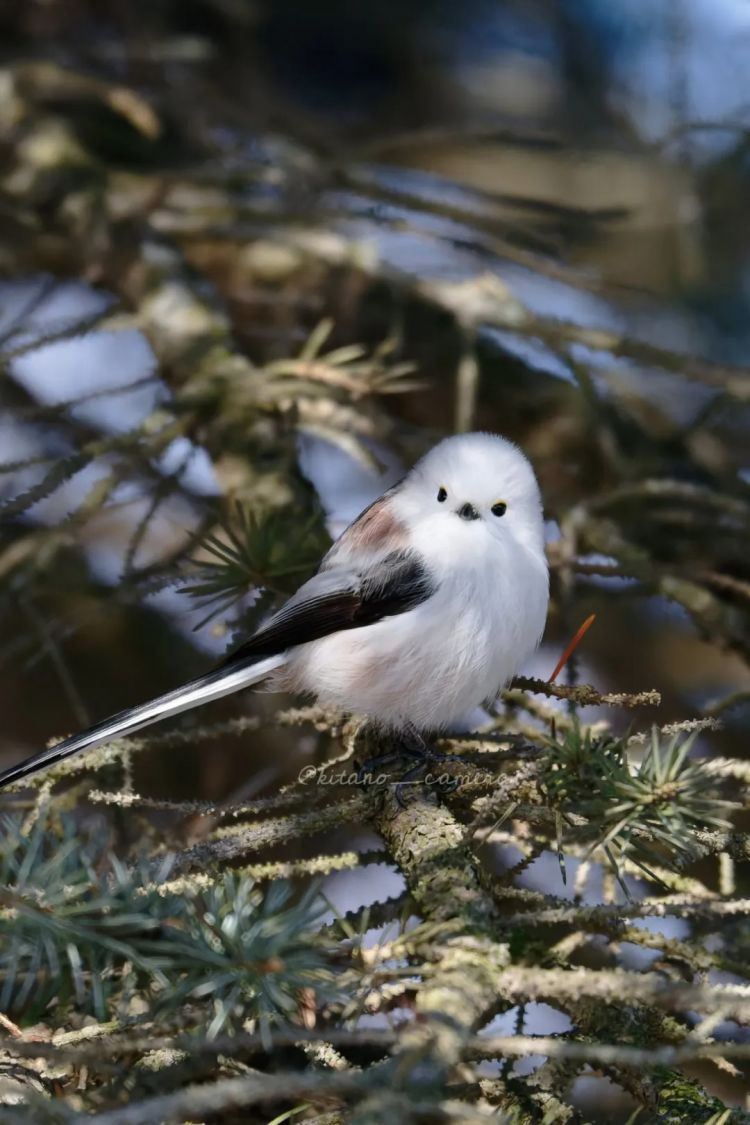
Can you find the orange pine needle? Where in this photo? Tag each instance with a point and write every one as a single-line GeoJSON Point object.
{"type": "Point", "coordinates": [583, 630]}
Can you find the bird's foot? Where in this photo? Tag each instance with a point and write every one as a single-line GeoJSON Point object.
{"type": "Point", "coordinates": [372, 768]}
{"type": "Point", "coordinates": [427, 750]}
{"type": "Point", "coordinates": [428, 756]}
{"type": "Point", "coordinates": [423, 754]}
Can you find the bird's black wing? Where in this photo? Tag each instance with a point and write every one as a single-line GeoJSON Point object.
{"type": "Point", "coordinates": [335, 599]}
{"type": "Point", "coordinates": [338, 599]}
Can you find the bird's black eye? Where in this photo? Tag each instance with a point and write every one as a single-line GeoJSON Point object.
{"type": "Point", "coordinates": [442, 495]}
{"type": "Point", "coordinates": [499, 509]}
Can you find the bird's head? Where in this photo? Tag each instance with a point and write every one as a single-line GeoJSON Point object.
{"type": "Point", "coordinates": [475, 485]}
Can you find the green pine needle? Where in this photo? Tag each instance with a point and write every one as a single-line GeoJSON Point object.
{"type": "Point", "coordinates": [254, 549]}
{"type": "Point", "coordinates": [646, 812]}
{"type": "Point", "coordinates": [79, 928]}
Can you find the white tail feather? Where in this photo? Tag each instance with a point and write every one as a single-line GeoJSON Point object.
{"type": "Point", "coordinates": [214, 685]}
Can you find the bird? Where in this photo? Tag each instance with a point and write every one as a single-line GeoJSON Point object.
{"type": "Point", "coordinates": [424, 608]}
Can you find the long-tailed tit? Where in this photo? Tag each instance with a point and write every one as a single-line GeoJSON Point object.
{"type": "Point", "coordinates": [424, 608]}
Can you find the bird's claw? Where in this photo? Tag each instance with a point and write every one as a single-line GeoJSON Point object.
{"type": "Point", "coordinates": [414, 747]}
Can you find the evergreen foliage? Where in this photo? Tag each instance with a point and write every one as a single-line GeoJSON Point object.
{"type": "Point", "coordinates": [177, 960]}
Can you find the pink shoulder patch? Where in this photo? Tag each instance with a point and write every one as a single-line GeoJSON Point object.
{"type": "Point", "coordinates": [377, 529]}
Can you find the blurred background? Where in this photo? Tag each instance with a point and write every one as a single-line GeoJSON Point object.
{"type": "Point", "coordinates": [264, 253]}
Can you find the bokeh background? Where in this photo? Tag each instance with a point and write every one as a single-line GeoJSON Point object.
{"type": "Point", "coordinates": [531, 216]}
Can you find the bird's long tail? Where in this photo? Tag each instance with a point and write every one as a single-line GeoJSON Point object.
{"type": "Point", "coordinates": [222, 681]}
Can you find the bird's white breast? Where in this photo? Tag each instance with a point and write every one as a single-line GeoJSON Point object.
{"type": "Point", "coordinates": [431, 665]}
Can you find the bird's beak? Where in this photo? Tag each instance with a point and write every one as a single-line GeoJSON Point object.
{"type": "Point", "coordinates": [467, 512]}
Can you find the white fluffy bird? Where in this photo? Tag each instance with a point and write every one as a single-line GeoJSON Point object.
{"type": "Point", "coordinates": [425, 607]}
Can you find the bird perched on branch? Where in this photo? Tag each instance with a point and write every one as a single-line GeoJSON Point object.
{"type": "Point", "coordinates": [425, 607]}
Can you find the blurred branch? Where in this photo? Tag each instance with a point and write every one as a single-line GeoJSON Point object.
{"type": "Point", "coordinates": [168, 955]}
{"type": "Point", "coordinates": [582, 694]}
